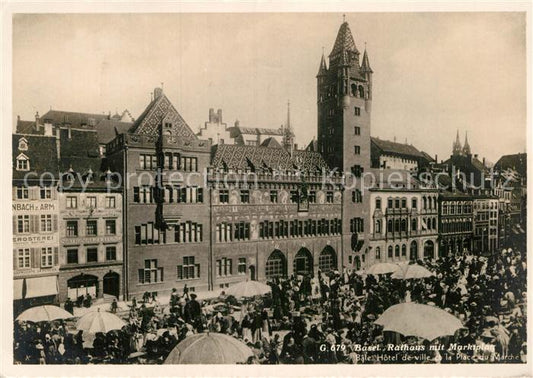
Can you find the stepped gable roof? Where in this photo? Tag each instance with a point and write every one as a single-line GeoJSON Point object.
{"type": "Point", "coordinates": [75, 119]}
{"type": "Point", "coordinates": [108, 129]}
{"type": "Point", "coordinates": [28, 127]}
{"type": "Point", "coordinates": [518, 162]}
{"type": "Point", "coordinates": [394, 148]}
{"type": "Point", "coordinates": [159, 110]}
{"type": "Point", "coordinates": [41, 152]}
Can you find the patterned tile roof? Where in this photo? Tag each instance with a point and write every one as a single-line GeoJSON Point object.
{"type": "Point", "coordinates": [161, 110]}
{"type": "Point", "coordinates": [258, 158]}
{"type": "Point", "coordinates": [258, 131]}
{"type": "Point", "coordinates": [344, 40]}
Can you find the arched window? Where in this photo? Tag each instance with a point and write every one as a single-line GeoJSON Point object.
{"type": "Point", "coordinates": [397, 225]}
{"type": "Point", "coordinates": [397, 251]}
{"type": "Point", "coordinates": [378, 226]}
{"type": "Point", "coordinates": [404, 250]}
{"type": "Point", "coordinates": [361, 91]}
{"type": "Point", "coordinates": [404, 225]}
{"type": "Point", "coordinates": [413, 254]}
{"type": "Point", "coordinates": [276, 265]}
{"type": "Point", "coordinates": [354, 90]}
{"type": "Point", "coordinates": [390, 252]}
{"type": "Point", "coordinates": [425, 204]}
{"type": "Point", "coordinates": [414, 224]}
{"type": "Point", "coordinates": [327, 261]}
{"type": "Point", "coordinates": [413, 203]}
{"type": "Point", "coordinates": [389, 225]}
{"type": "Point", "coordinates": [378, 253]}
{"type": "Point", "coordinates": [434, 223]}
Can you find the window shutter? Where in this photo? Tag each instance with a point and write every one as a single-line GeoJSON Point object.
{"type": "Point", "coordinates": [56, 256]}
{"type": "Point", "coordinates": [15, 229]}
{"type": "Point", "coordinates": [35, 257]}
{"type": "Point", "coordinates": [54, 222]}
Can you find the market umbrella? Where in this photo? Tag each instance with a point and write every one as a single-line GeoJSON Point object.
{"type": "Point", "coordinates": [409, 271]}
{"type": "Point", "coordinates": [247, 289]}
{"type": "Point", "coordinates": [413, 319]}
{"type": "Point", "coordinates": [382, 268]}
{"type": "Point", "coordinates": [44, 313]}
{"type": "Point", "coordinates": [209, 348]}
{"type": "Point", "coordinates": [99, 321]}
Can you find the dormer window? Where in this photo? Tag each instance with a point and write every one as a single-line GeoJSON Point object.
{"type": "Point", "coordinates": [23, 144]}
{"type": "Point", "coordinates": [168, 125]}
{"type": "Point", "coordinates": [23, 163]}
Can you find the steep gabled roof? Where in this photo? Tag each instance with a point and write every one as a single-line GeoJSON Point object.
{"type": "Point", "coordinates": [271, 143]}
{"type": "Point", "coordinates": [28, 127]}
{"type": "Point", "coordinates": [344, 40]}
{"type": "Point", "coordinates": [159, 110]}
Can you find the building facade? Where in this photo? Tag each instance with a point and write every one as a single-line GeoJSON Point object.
{"type": "Point", "coordinates": [455, 223]}
{"type": "Point", "coordinates": [404, 223]}
{"type": "Point", "coordinates": [35, 211]}
{"type": "Point", "coordinates": [215, 130]}
{"type": "Point", "coordinates": [485, 224]}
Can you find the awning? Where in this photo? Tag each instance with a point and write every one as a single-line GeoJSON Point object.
{"type": "Point", "coordinates": [17, 288]}
{"type": "Point", "coordinates": [41, 286]}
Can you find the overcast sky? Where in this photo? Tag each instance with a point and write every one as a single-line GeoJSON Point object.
{"type": "Point", "coordinates": [434, 73]}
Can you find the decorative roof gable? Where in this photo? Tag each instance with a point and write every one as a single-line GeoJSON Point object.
{"type": "Point", "coordinates": [158, 111]}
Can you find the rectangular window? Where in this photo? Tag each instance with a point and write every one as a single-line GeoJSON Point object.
{"type": "Point", "coordinates": [312, 196]}
{"type": "Point", "coordinates": [72, 202]}
{"type": "Point", "coordinates": [47, 257]}
{"type": "Point", "coordinates": [110, 227]}
{"type": "Point", "coordinates": [92, 228]}
{"type": "Point", "coordinates": [274, 196]}
{"type": "Point", "coordinates": [91, 202]}
{"type": "Point", "coordinates": [23, 224]}
{"type": "Point", "coordinates": [223, 196]}
{"type": "Point", "coordinates": [72, 228]}
{"type": "Point", "coordinates": [357, 197]}
{"type": "Point", "coordinates": [357, 111]}
{"type": "Point", "coordinates": [110, 202]}
{"type": "Point", "coordinates": [241, 268]}
{"type": "Point", "coordinates": [329, 197]}
{"type": "Point", "coordinates": [110, 253]}
{"type": "Point", "coordinates": [46, 223]}
{"type": "Point", "coordinates": [46, 192]}
{"type": "Point", "coordinates": [92, 255]}
{"type": "Point", "coordinates": [245, 196]}
{"type": "Point", "coordinates": [378, 203]}
{"type": "Point", "coordinates": [357, 130]}
{"type": "Point", "coordinates": [72, 256]}
{"type": "Point", "coordinates": [151, 272]}
{"type": "Point", "coordinates": [22, 192]}
{"type": "Point", "coordinates": [357, 150]}
{"type": "Point", "coordinates": [23, 258]}
{"type": "Point", "coordinates": [188, 270]}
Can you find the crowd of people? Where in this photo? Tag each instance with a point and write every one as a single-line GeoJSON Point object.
{"type": "Point", "coordinates": [322, 320]}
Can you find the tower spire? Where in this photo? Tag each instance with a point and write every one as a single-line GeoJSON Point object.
{"type": "Point", "coordinates": [457, 149]}
{"type": "Point", "coordinates": [322, 70]}
{"type": "Point", "coordinates": [466, 147]}
{"type": "Point", "coordinates": [365, 66]}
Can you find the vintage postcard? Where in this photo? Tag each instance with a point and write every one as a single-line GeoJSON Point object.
{"type": "Point", "coordinates": [341, 187]}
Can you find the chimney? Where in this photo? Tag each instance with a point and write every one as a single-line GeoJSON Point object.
{"type": "Point", "coordinates": [237, 123]}
{"type": "Point", "coordinates": [436, 160]}
{"type": "Point", "coordinates": [295, 146]}
{"type": "Point", "coordinates": [37, 121]}
{"type": "Point", "coordinates": [58, 141]}
{"type": "Point", "coordinates": [211, 115]}
{"type": "Point", "coordinates": [484, 161]}
{"type": "Point", "coordinates": [219, 115]}
{"type": "Point", "coordinates": [18, 118]}
{"type": "Point", "coordinates": [69, 132]}
{"type": "Point", "coordinates": [158, 92]}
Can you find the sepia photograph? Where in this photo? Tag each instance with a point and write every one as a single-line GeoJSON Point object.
{"type": "Point", "coordinates": [270, 188]}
